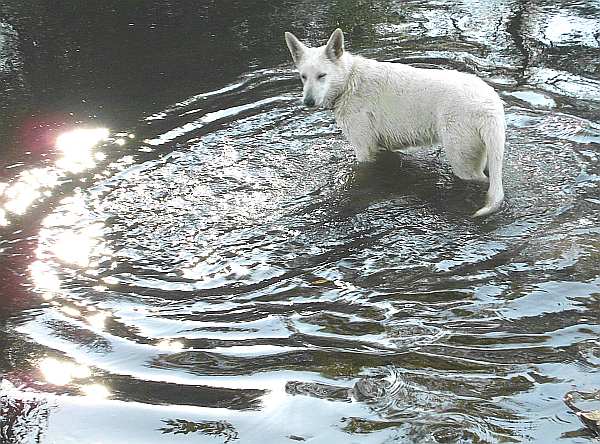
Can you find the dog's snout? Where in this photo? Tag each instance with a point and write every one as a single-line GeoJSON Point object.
{"type": "Point", "coordinates": [309, 101]}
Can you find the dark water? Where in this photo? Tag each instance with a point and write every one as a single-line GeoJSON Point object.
{"type": "Point", "coordinates": [215, 267]}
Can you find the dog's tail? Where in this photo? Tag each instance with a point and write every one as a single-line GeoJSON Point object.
{"type": "Point", "coordinates": [493, 136]}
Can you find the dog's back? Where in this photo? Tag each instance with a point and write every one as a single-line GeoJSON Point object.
{"type": "Point", "coordinates": [410, 106]}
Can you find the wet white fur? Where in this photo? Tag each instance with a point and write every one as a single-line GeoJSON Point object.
{"type": "Point", "coordinates": [391, 106]}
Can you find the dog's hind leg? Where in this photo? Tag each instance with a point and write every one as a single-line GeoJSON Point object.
{"type": "Point", "coordinates": [466, 154]}
{"type": "Point", "coordinates": [471, 151]}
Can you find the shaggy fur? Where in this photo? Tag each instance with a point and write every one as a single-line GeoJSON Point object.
{"type": "Point", "coordinates": [391, 106]}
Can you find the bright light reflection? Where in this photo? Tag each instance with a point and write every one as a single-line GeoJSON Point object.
{"type": "Point", "coordinates": [98, 320]}
{"type": "Point", "coordinates": [564, 28]}
{"type": "Point", "coordinates": [77, 147]}
{"type": "Point", "coordinates": [167, 344]}
{"type": "Point", "coordinates": [81, 371]}
{"type": "Point", "coordinates": [71, 311]}
{"type": "Point", "coordinates": [33, 184]}
{"type": "Point", "coordinates": [96, 391]}
{"type": "Point", "coordinates": [74, 248]}
{"type": "Point", "coordinates": [45, 278]}
{"type": "Point", "coordinates": [22, 193]}
{"type": "Point", "coordinates": [61, 372]}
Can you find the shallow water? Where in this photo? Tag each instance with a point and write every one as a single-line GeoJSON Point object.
{"type": "Point", "coordinates": [219, 269]}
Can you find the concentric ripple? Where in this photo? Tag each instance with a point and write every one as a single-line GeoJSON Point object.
{"type": "Point", "coordinates": [236, 275]}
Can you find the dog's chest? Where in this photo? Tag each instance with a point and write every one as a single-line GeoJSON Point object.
{"type": "Point", "coordinates": [400, 130]}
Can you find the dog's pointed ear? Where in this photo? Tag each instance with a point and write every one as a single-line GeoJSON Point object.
{"type": "Point", "coordinates": [296, 47]}
{"type": "Point", "coordinates": [335, 45]}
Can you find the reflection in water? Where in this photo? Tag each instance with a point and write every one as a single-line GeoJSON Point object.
{"type": "Point", "coordinates": [23, 416]}
{"type": "Point", "coordinates": [62, 372]}
{"type": "Point", "coordinates": [244, 274]}
{"type": "Point", "coordinates": [76, 147]}
{"type": "Point", "coordinates": [98, 320]}
{"type": "Point", "coordinates": [170, 345]}
{"type": "Point", "coordinates": [30, 186]}
{"type": "Point", "coordinates": [44, 278]}
{"type": "Point", "coordinates": [77, 248]}
{"type": "Point", "coordinates": [95, 391]}
{"type": "Point", "coordinates": [221, 429]}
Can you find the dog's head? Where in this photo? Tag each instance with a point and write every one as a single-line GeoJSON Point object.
{"type": "Point", "coordinates": [323, 70]}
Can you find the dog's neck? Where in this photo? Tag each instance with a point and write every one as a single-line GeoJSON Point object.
{"type": "Point", "coordinates": [350, 84]}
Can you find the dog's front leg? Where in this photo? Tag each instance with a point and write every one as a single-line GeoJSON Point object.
{"type": "Point", "coordinates": [363, 139]}
{"type": "Point", "coordinates": [365, 155]}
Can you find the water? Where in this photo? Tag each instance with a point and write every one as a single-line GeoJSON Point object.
{"type": "Point", "coordinates": [217, 268]}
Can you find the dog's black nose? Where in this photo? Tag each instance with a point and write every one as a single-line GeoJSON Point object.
{"type": "Point", "coordinates": [309, 101]}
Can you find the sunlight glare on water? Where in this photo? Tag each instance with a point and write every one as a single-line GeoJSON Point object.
{"type": "Point", "coordinates": [59, 372]}
{"type": "Point", "coordinates": [169, 345]}
{"type": "Point", "coordinates": [44, 278]}
{"type": "Point", "coordinates": [231, 274]}
{"type": "Point", "coordinates": [35, 184]}
{"type": "Point", "coordinates": [98, 320]}
{"type": "Point", "coordinates": [76, 147]}
{"type": "Point", "coordinates": [30, 186]}
{"type": "Point", "coordinates": [95, 391]}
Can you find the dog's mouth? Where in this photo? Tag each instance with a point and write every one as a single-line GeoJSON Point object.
{"type": "Point", "coordinates": [316, 106]}
{"type": "Point", "coordinates": [327, 104]}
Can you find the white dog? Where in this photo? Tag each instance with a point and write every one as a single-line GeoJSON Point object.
{"type": "Point", "coordinates": [390, 106]}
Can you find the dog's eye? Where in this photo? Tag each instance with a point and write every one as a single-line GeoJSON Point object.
{"type": "Point", "coordinates": [303, 77]}
{"type": "Point", "coordinates": [320, 76]}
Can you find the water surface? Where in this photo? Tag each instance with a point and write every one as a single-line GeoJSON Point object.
{"type": "Point", "coordinates": [188, 255]}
